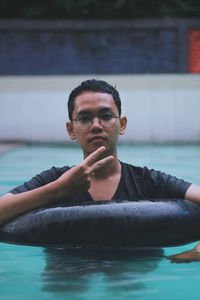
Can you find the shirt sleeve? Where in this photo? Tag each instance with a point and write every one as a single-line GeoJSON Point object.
{"type": "Point", "coordinates": [163, 185]}
{"type": "Point", "coordinates": [40, 180]}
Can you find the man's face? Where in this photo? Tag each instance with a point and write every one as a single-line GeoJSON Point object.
{"type": "Point", "coordinates": [94, 104]}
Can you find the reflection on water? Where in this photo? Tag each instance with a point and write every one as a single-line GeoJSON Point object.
{"type": "Point", "coordinates": [74, 270]}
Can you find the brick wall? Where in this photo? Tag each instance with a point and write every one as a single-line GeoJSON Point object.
{"type": "Point", "coordinates": [194, 51]}
{"type": "Point", "coordinates": [96, 47]}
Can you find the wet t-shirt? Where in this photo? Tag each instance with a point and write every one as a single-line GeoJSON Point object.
{"type": "Point", "coordinates": [136, 183]}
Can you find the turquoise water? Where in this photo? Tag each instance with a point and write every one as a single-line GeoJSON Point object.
{"type": "Point", "coordinates": [38, 273]}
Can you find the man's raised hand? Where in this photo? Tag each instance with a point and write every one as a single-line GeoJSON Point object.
{"type": "Point", "coordinates": [77, 180]}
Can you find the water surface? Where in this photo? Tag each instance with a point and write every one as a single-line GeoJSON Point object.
{"type": "Point", "coordinates": [56, 273]}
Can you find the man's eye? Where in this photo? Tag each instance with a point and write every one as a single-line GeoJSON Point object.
{"type": "Point", "coordinates": [106, 117]}
{"type": "Point", "coordinates": [84, 119]}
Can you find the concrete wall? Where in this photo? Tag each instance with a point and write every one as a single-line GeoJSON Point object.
{"type": "Point", "coordinates": [159, 108]}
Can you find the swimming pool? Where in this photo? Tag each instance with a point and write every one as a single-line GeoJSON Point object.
{"type": "Point", "coordinates": [38, 273]}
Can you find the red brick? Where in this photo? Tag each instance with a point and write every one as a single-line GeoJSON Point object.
{"type": "Point", "coordinates": [194, 51]}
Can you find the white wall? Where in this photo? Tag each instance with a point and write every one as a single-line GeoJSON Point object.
{"type": "Point", "coordinates": [159, 107]}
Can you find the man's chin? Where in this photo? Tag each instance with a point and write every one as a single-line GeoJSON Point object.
{"type": "Point", "coordinates": [96, 143]}
{"type": "Point", "coordinates": [93, 147]}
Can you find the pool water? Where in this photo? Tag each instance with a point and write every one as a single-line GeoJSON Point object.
{"type": "Point", "coordinates": [56, 273]}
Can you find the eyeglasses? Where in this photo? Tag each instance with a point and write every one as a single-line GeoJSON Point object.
{"type": "Point", "coordinates": [106, 120]}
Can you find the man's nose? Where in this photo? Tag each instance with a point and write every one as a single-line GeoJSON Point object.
{"type": "Point", "coordinates": [96, 124]}
{"type": "Point", "coordinates": [96, 121]}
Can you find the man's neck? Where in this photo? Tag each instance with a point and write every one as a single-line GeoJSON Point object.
{"type": "Point", "coordinates": [110, 169]}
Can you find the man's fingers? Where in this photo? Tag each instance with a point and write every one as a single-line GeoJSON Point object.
{"type": "Point", "coordinates": [93, 157]}
{"type": "Point", "coordinates": [101, 163]}
{"type": "Point", "coordinates": [93, 161]}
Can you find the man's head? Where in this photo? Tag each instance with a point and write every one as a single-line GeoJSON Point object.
{"type": "Point", "coordinates": [95, 116]}
{"type": "Point", "coordinates": [93, 85]}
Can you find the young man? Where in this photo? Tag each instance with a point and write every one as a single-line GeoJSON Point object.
{"type": "Point", "coordinates": [95, 123]}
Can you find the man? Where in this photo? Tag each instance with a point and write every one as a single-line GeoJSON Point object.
{"type": "Point", "coordinates": [95, 123]}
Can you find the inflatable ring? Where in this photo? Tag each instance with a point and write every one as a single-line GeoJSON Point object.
{"type": "Point", "coordinates": [114, 224]}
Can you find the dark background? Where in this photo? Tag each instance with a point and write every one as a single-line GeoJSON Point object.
{"type": "Point", "coordinates": [58, 37]}
{"type": "Point", "coordinates": [95, 9]}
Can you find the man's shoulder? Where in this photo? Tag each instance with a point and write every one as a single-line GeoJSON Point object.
{"type": "Point", "coordinates": [133, 167]}
{"type": "Point", "coordinates": [138, 172]}
{"type": "Point", "coordinates": [55, 171]}
{"type": "Point", "coordinates": [61, 169]}
{"type": "Point", "coordinates": [145, 172]}
{"type": "Point", "coordinates": [41, 179]}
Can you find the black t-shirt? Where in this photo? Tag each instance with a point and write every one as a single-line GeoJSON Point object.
{"type": "Point", "coordinates": [136, 183]}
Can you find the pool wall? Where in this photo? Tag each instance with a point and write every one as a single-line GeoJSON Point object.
{"type": "Point", "coordinates": [160, 108]}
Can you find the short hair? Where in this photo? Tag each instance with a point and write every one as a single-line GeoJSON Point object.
{"type": "Point", "coordinates": [93, 85]}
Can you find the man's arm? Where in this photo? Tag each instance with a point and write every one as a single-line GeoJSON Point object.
{"type": "Point", "coordinates": [76, 180]}
{"type": "Point", "coordinates": [186, 256]}
{"type": "Point", "coordinates": [12, 205]}
{"type": "Point", "coordinates": [193, 193]}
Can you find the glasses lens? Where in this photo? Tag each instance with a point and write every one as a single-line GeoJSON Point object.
{"type": "Point", "coordinates": [105, 121]}
{"type": "Point", "coordinates": [84, 122]}
{"type": "Point", "coordinates": [108, 123]}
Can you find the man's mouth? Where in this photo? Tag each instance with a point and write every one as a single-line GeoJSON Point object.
{"type": "Point", "coordinates": [97, 138]}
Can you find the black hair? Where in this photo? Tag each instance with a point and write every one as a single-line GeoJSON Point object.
{"type": "Point", "coordinates": [93, 85]}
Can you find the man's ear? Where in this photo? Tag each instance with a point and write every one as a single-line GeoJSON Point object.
{"type": "Point", "coordinates": [69, 127]}
{"type": "Point", "coordinates": [123, 123]}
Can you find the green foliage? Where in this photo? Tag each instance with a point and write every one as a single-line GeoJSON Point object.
{"type": "Point", "coordinates": [98, 9]}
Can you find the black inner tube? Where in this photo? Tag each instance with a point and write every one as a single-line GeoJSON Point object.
{"type": "Point", "coordinates": [141, 224]}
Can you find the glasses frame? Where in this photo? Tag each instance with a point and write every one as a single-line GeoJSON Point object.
{"type": "Point", "coordinates": [100, 122]}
